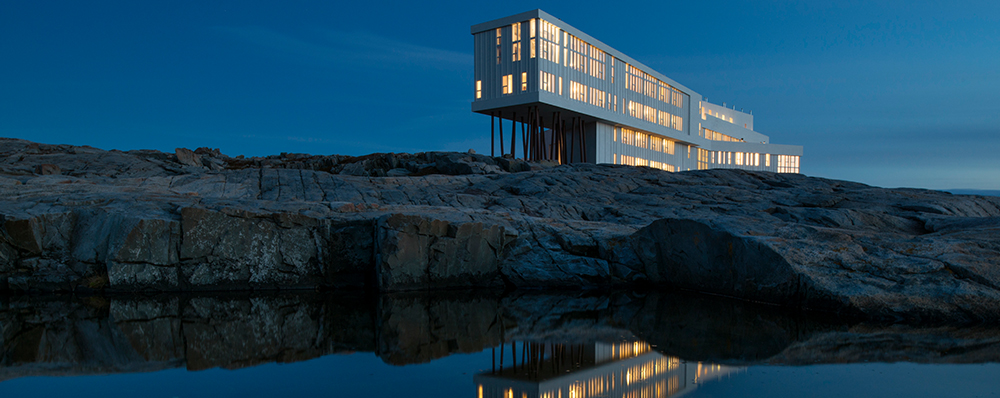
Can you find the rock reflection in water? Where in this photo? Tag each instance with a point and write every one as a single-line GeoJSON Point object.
{"type": "Point", "coordinates": [591, 370]}
{"type": "Point", "coordinates": [78, 336]}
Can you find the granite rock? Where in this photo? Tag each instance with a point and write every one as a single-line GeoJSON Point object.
{"type": "Point", "coordinates": [144, 220]}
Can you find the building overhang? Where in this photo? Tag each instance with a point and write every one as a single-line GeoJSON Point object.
{"type": "Point", "coordinates": [537, 13]}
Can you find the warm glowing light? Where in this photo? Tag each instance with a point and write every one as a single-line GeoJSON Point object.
{"type": "Point", "coordinates": [524, 81]}
{"type": "Point", "coordinates": [515, 39]}
{"type": "Point", "coordinates": [479, 89]}
{"type": "Point", "coordinates": [788, 164]}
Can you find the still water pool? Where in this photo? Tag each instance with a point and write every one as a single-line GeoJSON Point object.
{"type": "Point", "coordinates": [474, 344]}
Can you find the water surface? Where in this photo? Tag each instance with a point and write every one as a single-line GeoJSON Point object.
{"type": "Point", "coordinates": [472, 344]}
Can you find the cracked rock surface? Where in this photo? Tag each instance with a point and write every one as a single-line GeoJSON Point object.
{"type": "Point", "coordinates": [84, 219]}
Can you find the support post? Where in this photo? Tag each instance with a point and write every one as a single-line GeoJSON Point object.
{"type": "Point", "coordinates": [522, 135]}
{"type": "Point", "coordinates": [513, 133]}
{"type": "Point", "coordinates": [493, 136]}
{"type": "Point", "coordinates": [525, 136]}
{"type": "Point", "coordinates": [552, 143]}
{"type": "Point", "coordinates": [572, 136]}
{"type": "Point", "coordinates": [501, 134]}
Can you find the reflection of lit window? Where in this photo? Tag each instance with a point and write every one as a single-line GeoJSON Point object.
{"type": "Point", "coordinates": [479, 89]}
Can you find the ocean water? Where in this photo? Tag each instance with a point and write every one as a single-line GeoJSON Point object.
{"type": "Point", "coordinates": [475, 344]}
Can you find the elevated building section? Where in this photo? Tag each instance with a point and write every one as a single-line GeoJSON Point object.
{"type": "Point", "coordinates": [570, 98]}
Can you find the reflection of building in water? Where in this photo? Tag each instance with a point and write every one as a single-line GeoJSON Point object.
{"type": "Point", "coordinates": [627, 370]}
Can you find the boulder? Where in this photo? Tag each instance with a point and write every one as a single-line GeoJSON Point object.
{"type": "Point", "coordinates": [414, 252]}
{"type": "Point", "coordinates": [187, 157]}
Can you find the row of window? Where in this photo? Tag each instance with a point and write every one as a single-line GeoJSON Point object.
{"type": "Point", "coordinates": [788, 164]}
{"type": "Point", "coordinates": [653, 115]}
{"type": "Point", "coordinates": [702, 159]}
{"type": "Point", "coordinates": [716, 114]}
{"type": "Point", "coordinates": [507, 84]}
{"type": "Point", "coordinates": [717, 136]}
{"type": "Point", "coordinates": [740, 158]}
{"type": "Point", "coordinates": [549, 44]}
{"type": "Point", "coordinates": [637, 161]}
{"type": "Point", "coordinates": [648, 85]}
{"type": "Point", "coordinates": [584, 57]}
{"type": "Point", "coordinates": [785, 163]}
{"type": "Point", "coordinates": [547, 82]}
{"type": "Point", "coordinates": [640, 139]}
{"type": "Point", "coordinates": [590, 95]}
{"type": "Point", "coordinates": [581, 56]}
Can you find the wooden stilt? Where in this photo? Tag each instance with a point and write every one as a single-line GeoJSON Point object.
{"type": "Point", "coordinates": [541, 140]}
{"type": "Point", "coordinates": [493, 136]}
{"type": "Point", "coordinates": [534, 135]}
{"type": "Point", "coordinates": [522, 134]}
{"type": "Point", "coordinates": [513, 133]}
{"type": "Point", "coordinates": [525, 135]}
{"type": "Point", "coordinates": [562, 140]}
{"type": "Point", "coordinates": [572, 137]}
{"type": "Point", "coordinates": [552, 142]}
{"type": "Point", "coordinates": [501, 133]}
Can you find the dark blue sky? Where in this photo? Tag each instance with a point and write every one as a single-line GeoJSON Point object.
{"type": "Point", "coordinates": [891, 93]}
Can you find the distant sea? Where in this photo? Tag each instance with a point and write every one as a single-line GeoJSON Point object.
{"type": "Point", "coordinates": [983, 192]}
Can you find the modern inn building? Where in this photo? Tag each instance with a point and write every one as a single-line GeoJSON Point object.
{"type": "Point", "coordinates": [572, 98]}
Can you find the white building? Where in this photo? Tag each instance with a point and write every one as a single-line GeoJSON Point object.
{"type": "Point", "coordinates": [556, 84]}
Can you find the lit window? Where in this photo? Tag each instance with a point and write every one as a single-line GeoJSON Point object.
{"type": "Point", "coordinates": [515, 39]}
{"type": "Point", "coordinates": [479, 89]}
{"type": "Point", "coordinates": [508, 84]}
{"type": "Point", "coordinates": [524, 81]}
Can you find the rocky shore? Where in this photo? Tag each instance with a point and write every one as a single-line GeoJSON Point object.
{"type": "Point", "coordinates": [80, 219]}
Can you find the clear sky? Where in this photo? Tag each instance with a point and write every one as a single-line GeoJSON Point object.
{"type": "Point", "coordinates": [890, 93]}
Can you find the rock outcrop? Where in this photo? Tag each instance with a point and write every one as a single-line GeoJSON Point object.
{"type": "Point", "coordinates": [200, 220]}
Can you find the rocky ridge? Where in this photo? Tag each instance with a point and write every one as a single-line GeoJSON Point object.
{"type": "Point", "coordinates": [83, 219]}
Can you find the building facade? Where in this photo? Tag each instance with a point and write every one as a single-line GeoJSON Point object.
{"type": "Point", "coordinates": [567, 97]}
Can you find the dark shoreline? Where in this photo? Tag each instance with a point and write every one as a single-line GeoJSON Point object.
{"type": "Point", "coordinates": [79, 219]}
